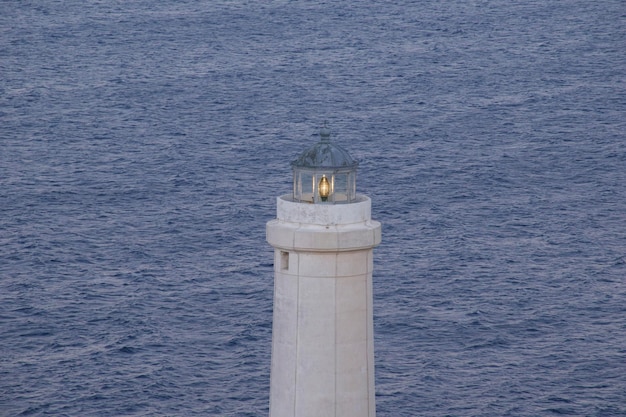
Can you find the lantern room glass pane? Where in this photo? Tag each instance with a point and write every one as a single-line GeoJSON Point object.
{"type": "Point", "coordinates": [341, 188]}
{"type": "Point", "coordinates": [317, 177]}
{"type": "Point", "coordinates": [303, 189]}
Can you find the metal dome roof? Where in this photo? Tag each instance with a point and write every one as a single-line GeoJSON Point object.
{"type": "Point", "coordinates": [325, 154]}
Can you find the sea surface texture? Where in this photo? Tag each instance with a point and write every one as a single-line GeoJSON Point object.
{"type": "Point", "coordinates": [143, 143]}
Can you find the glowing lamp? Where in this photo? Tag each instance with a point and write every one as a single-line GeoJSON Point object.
{"type": "Point", "coordinates": [324, 188]}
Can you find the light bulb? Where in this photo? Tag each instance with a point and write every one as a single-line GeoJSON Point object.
{"type": "Point", "coordinates": [324, 187]}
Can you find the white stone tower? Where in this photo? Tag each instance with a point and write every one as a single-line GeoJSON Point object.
{"type": "Point", "coordinates": [322, 335]}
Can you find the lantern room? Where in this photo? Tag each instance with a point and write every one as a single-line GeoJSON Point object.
{"type": "Point", "coordinates": [324, 174]}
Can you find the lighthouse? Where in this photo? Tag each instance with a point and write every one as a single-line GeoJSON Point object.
{"type": "Point", "coordinates": [323, 333]}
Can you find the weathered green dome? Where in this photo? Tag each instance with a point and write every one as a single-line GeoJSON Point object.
{"type": "Point", "coordinates": [325, 154]}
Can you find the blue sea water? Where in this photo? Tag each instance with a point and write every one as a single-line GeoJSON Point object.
{"type": "Point", "coordinates": [142, 145]}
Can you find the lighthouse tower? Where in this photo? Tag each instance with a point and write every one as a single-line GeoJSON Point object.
{"type": "Point", "coordinates": [322, 335]}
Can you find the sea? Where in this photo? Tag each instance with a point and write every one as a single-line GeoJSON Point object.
{"type": "Point", "coordinates": [143, 145]}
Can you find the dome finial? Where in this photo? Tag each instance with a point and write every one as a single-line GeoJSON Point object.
{"type": "Point", "coordinates": [325, 132]}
